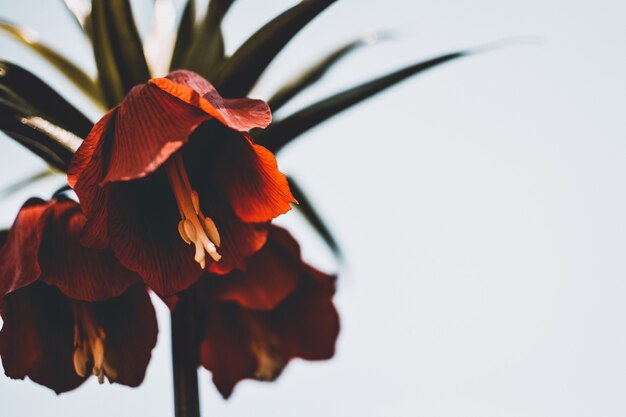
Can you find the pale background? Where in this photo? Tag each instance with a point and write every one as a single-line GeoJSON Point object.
{"type": "Point", "coordinates": [481, 207]}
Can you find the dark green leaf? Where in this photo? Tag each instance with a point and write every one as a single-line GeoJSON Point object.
{"type": "Point", "coordinates": [52, 143]}
{"type": "Point", "coordinates": [317, 71]}
{"type": "Point", "coordinates": [309, 213]}
{"type": "Point", "coordinates": [76, 75]}
{"type": "Point", "coordinates": [117, 48]}
{"type": "Point", "coordinates": [240, 72]}
{"type": "Point", "coordinates": [184, 35]}
{"type": "Point", "coordinates": [80, 10]}
{"type": "Point", "coordinates": [283, 131]}
{"type": "Point", "coordinates": [206, 51]}
{"type": "Point", "coordinates": [38, 99]}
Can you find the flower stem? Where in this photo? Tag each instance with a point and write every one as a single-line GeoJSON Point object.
{"type": "Point", "coordinates": [185, 359]}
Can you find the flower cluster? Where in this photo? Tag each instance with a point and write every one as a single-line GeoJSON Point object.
{"type": "Point", "coordinates": [173, 195]}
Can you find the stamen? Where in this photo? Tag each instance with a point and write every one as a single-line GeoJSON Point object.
{"type": "Point", "coordinates": [194, 228]}
{"type": "Point", "coordinates": [90, 345]}
{"type": "Point", "coordinates": [265, 346]}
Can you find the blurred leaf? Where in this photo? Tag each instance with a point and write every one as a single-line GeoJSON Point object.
{"type": "Point", "coordinates": [309, 213]}
{"type": "Point", "coordinates": [317, 71]}
{"type": "Point", "coordinates": [240, 72]}
{"type": "Point", "coordinates": [9, 190]}
{"type": "Point", "coordinates": [117, 48]}
{"type": "Point", "coordinates": [206, 51]}
{"type": "Point", "coordinates": [48, 141]}
{"type": "Point", "coordinates": [80, 10]}
{"type": "Point", "coordinates": [76, 75]}
{"type": "Point", "coordinates": [283, 131]}
{"type": "Point", "coordinates": [184, 34]}
{"type": "Point", "coordinates": [39, 99]}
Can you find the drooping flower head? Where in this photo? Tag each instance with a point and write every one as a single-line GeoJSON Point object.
{"type": "Point", "coordinates": [173, 164]}
{"type": "Point", "coordinates": [69, 311]}
{"type": "Point", "coordinates": [252, 323]}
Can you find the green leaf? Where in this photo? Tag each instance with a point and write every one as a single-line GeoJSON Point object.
{"type": "Point", "coordinates": [73, 73]}
{"type": "Point", "coordinates": [118, 50]}
{"type": "Point", "coordinates": [283, 131]}
{"type": "Point", "coordinates": [239, 73]}
{"type": "Point", "coordinates": [315, 72]}
{"type": "Point", "coordinates": [80, 10]}
{"type": "Point", "coordinates": [184, 35]}
{"type": "Point", "coordinates": [38, 99]}
{"type": "Point", "coordinates": [50, 142]}
{"type": "Point", "coordinates": [310, 214]}
{"type": "Point", "coordinates": [206, 51]}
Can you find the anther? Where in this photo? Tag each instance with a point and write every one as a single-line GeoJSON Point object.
{"type": "Point", "coordinates": [194, 228]}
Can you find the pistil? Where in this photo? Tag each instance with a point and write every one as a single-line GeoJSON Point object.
{"type": "Point", "coordinates": [194, 228]}
{"type": "Point", "coordinates": [90, 345]}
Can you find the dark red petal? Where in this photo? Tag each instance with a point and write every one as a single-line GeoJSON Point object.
{"type": "Point", "coordinates": [84, 175]}
{"type": "Point", "coordinates": [79, 272]}
{"type": "Point", "coordinates": [19, 263]}
{"type": "Point", "coordinates": [143, 231]}
{"type": "Point", "coordinates": [245, 173]}
{"type": "Point", "coordinates": [150, 126]}
{"type": "Point", "coordinates": [240, 240]}
{"type": "Point", "coordinates": [224, 349]}
{"type": "Point", "coordinates": [129, 322]}
{"type": "Point", "coordinates": [271, 275]}
{"type": "Point", "coordinates": [240, 114]}
{"type": "Point", "coordinates": [307, 323]}
{"type": "Point", "coordinates": [36, 340]}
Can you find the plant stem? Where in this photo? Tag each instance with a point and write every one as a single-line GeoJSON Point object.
{"type": "Point", "coordinates": [185, 358]}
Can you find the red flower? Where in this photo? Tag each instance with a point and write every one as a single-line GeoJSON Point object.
{"type": "Point", "coordinates": [172, 164]}
{"type": "Point", "coordinates": [252, 323]}
{"type": "Point", "coordinates": [56, 330]}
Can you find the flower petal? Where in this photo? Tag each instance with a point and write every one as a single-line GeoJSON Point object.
{"type": "Point", "coordinates": [245, 172]}
{"type": "Point", "coordinates": [85, 173]}
{"type": "Point", "coordinates": [240, 240]}
{"type": "Point", "coordinates": [270, 277]}
{"type": "Point", "coordinates": [150, 126]}
{"type": "Point", "coordinates": [37, 337]}
{"type": "Point", "coordinates": [79, 272]}
{"type": "Point", "coordinates": [129, 322]}
{"type": "Point", "coordinates": [19, 263]}
{"type": "Point", "coordinates": [144, 235]}
{"type": "Point", "coordinates": [307, 323]}
{"type": "Point", "coordinates": [224, 349]}
{"type": "Point", "coordinates": [242, 114]}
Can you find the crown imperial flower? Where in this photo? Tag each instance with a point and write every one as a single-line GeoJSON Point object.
{"type": "Point", "coordinates": [173, 165]}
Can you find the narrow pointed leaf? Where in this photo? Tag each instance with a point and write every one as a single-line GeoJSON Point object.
{"type": "Point", "coordinates": [19, 85]}
{"type": "Point", "coordinates": [184, 35]}
{"type": "Point", "coordinates": [118, 50]}
{"type": "Point", "coordinates": [43, 138]}
{"type": "Point", "coordinates": [80, 10]}
{"type": "Point", "coordinates": [315, 72]}
{"type": "Point", "coordinates": [73, 73]}
{"type": "Point", "coordinates": [283, 131]}
{"type": "Point", "coordinates": [240, 72]}
{"type": "Point", "coordinates": [310, 214]}
{"type": "Point", "coordinates": [206, 51]}
{"type": "Point", "coordinates": [11, 189]}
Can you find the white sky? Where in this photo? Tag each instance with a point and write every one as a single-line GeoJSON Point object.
{"type": "Point", "coordinates": [481, 207]}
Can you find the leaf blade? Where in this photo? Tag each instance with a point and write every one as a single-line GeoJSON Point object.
{"type": "Point", "coordinates": [316, 71]}
{"type": "Point", "coordinates": [311, 215]}
{"type": "Point", "coordinates": [241, 71]}
{"type": "Point", "coordinates": [118, 49]}
{"type": "Point", "coordinates": [206, 51]}
{"type": "Point", "coordinates": [73, 73]}
{"type": "Point", "coordinates": [277, 135]}
{"type": "Point", "coordinates": [41, 99]}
